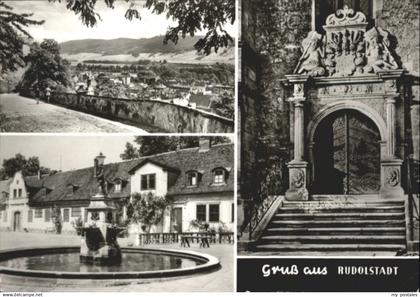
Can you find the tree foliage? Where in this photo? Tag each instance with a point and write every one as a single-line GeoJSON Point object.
{"type": "Point", "coordinates": [191, 17]}
{"type": "Point", "coordinates": [146, 209]}
{"type": "Point", "coordinates": [13, 37]}
{"type": "Point", "coordinates": [151, 145]}
{"type": "Point", "coordinates": [130, 152]}
{"type": "Point", "coordinates": [46, 67]}
{"type": "Point", "coordinates": [223, 105]}
{"type": "Point", "coordinates": [28, 166]}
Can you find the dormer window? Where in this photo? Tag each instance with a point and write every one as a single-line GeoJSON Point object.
{"type": "Point", "coordinates": [117, 187]}
{"type": "Point", "coordinates": [219, 176]}
{"type": "Point", "coordinates": [192, 178]}
{"type": "Point", "coordinates": [148, 182]}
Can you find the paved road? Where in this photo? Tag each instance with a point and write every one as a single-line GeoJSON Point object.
{"type": "Point", "coordinates": [20, 114]}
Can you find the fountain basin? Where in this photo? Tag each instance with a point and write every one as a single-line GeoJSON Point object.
{"type": "Point", "coordinates": [59, 262]}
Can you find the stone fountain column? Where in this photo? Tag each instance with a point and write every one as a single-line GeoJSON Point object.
{"type": "Point", "coordinates": [99, 243]}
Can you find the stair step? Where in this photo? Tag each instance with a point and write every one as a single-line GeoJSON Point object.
{"type": "Point", "coordinates": [341, 216]}
{"type": "Point", "coordinates": [340, 208]}
{"type": "Point", "coordinates": [330, 239]}
{"type": "Point", "coordinates": [334, 223]}
{"type": "Point", "coordinates": [337, 230]}
{"type": "Point", "coordinates": [329, 247]}
{"type": "Point", "coordinates": [344, 203]}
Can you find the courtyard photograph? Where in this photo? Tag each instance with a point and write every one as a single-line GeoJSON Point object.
{"type": "Point", "coordinates": [116, 213]}
{"type": "Point", "coordinates": [166, 66]}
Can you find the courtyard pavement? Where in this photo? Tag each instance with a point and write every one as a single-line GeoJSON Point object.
{"type": "Point", "coordinates": [216, 281]}
{"type": "Point", "coordinates": [21, 114]}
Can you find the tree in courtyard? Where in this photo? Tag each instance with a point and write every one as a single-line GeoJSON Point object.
{"type": "Point", "coordinates": [46, 67]}
{"type": "Point", "coordinates": [13, 37]}
{"type": "Point", "coordinates": [56, 219]}
{"type": "Point", "coordinates": [190, 17]}
{"type": "Point", "coordinates": [130, 152]}
{"type": "Point", "coordinates": [146, 210]}
{"type": "Point", "coordinates": [28, 166]}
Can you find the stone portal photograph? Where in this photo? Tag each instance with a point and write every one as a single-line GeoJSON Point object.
{"type": "Point", "coordinates": [117, 66]}
{"type": "Point", "coordinates": [329, 130]}
{"type": "Point", "coordinates": [116, 213]}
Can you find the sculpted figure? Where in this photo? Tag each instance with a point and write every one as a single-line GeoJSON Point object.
{"type": "Point", "coordinates": [377, 57]}
{"type": "Point", "coordinates": [312, 59]}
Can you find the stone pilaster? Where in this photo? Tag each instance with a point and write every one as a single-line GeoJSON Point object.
{"type": "Point", "coordinates": [298, 167]}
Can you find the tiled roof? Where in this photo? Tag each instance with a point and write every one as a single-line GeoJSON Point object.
{"type": "Point", "coordinates": [57, 188]}
{"type": "Point", "coordinates": [4, 185]}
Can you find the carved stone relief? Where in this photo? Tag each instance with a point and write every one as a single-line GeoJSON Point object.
{"type": "Point", "coordinates": [346, 49]}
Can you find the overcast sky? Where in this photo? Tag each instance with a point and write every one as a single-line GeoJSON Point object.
{"type": "Point", "coordinates": [75, 151]}
{"type": "Point", "coordinates": [63, 25]}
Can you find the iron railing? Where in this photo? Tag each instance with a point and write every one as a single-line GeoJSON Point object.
{"type": "Point", "coordinates": [172, 237]}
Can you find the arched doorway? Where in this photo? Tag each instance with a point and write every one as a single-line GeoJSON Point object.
{"type": "Point", "coordinates": [16, 221]}
{"type": "Point", "coordinates": [346, 154]}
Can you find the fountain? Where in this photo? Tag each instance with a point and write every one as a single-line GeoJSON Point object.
{"type": "Point", "coordinates": [99, 255]}
{"type": "Point", "coordinates": [99, 236]}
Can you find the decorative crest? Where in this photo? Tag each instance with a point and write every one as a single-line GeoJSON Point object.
{"type": "Point", "coordinates": [346, 49]}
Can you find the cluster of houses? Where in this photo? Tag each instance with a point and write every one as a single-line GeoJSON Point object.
{"type": "Point", "coordinates": [197, 181]}
{"type": "Point", "coordinates": [148, 85]}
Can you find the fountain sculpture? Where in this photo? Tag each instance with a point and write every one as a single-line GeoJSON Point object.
{"type": "Point", "coordinates": [99, 236]}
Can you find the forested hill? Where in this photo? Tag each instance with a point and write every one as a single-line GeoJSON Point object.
{"type": "Point", "coordinates": [128, 46]}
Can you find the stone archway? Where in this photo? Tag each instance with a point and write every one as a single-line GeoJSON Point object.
{"type": "Point", "coordinates": [345, 154]}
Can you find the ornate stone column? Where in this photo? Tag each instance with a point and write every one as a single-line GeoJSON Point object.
{"type": "Point", "coordinates": [298, 166]}
{"type": "Point", "coordinates": [391, 164]}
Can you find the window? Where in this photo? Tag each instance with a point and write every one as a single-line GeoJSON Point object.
{"type": "Point", "coordinates": [20, 192]}
{"type": "Point", "coordinates": [47, 217]}
{"type": "Point", "coordinates": [66, 215]}
{"type": "Point", "coordinates": [214, 213]}
{"type": "Point", "coordinates": [201, 212]}
{"type": "Point", "coordinates": [76, 212]}
{"type": "Point", "coordinates": [192, 179]}
{"type": "Point", "coordinates": [38, 213]}
{"type": "Point", "coordinates": [30, 216]}
{"type": "Point", "coordinates": [14, 193]}
{"type": "Point", "coordinates": [219, 176]}
{"type": "Point", "coordinates": [5, 216]}
{"type": "Point", "coordinates": [117, 187]}
{"type": "Point", "coordinates": [148, 182]}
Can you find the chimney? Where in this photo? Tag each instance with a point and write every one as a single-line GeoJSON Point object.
{"type": "Point", "coordinates": [205, 144]}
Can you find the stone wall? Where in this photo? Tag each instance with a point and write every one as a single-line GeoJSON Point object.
{"type": "Point", "coordinates": [162, 116]}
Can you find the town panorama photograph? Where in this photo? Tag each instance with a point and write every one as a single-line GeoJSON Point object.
{"type": "Point", "coordinates": [117, 66]}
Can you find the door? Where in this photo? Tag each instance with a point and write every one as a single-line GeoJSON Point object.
{"type": "Point", "coordinates": [347, 155]}
{"type": "Point", "coordinates": [16, 221]}
{"type": "Point", "coordinates": [177, 219]}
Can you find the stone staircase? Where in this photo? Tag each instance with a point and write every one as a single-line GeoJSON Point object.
{"type": "Point", "coordinates": [335, 225]}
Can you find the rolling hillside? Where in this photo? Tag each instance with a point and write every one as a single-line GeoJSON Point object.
{"type": "Point", "coordinates": [130, 50]}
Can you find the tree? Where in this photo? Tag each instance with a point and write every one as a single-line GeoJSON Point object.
{"type": "Point", "coordinates": [130, 152]}
{"type": "Point", "coordinates": [223, 105]}
{"type": "Point", "coordinates": [190, 16]}
{"type": "Point", "coordinates": [13, 37]}
{"type": "Point", "coordinates": [146, 209]}
{"type": "Point", "coordinates": [46, 67]}
{"type": "Point", "coordinates": [28, 166]}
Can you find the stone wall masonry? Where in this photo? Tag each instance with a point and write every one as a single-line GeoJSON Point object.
{"type": "Point", "coordinates": [164, 116]}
